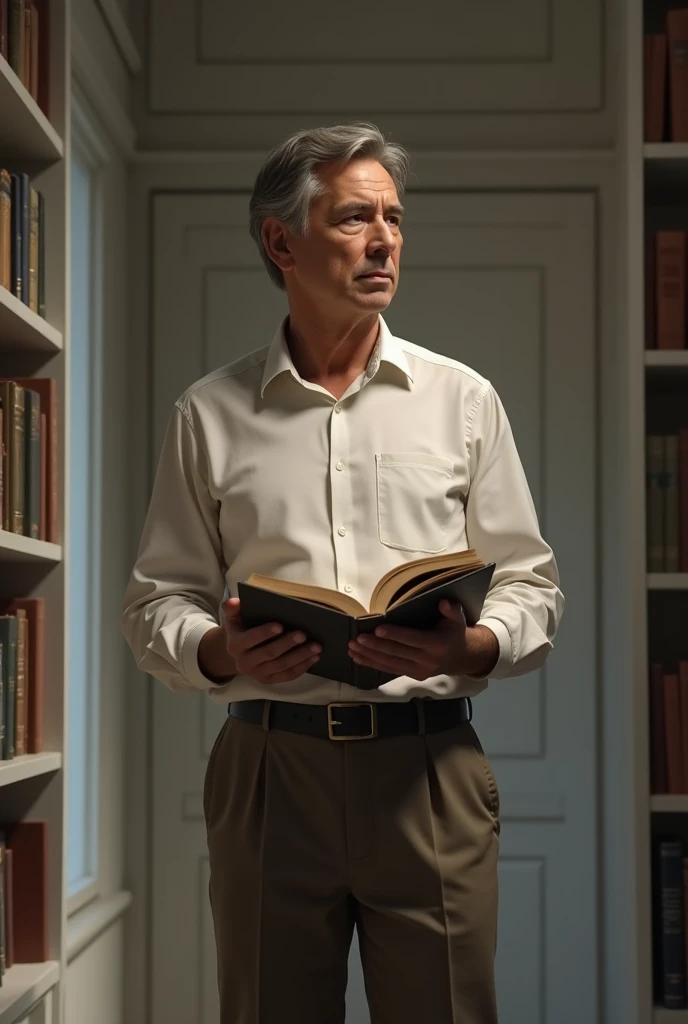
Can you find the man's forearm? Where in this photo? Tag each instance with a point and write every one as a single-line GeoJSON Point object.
{"type": "Point", "coordinates": [213, 659]}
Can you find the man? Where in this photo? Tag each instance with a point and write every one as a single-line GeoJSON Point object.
{"type": "Point", "coordinates": [328, 457]}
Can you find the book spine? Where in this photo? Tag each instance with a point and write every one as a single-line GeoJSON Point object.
{"type": "Point", "coordinates": [654, 464]}
{"type": "Point", "coordinates": [20, 703]}
{"type": "Point", "coordinates": [671, 289]}
{"type": "Point", "coordinates": [672, 934]}
{"type": "Point", "coordinates": [6, 399]}
{"type": "Point", "coordinates": [9, 930]}
{"type": "Point", "coordinates": [43, 12]}
{"type": "Point", "coordinates": [26, 66]}
{"type": "Point", "coordinates": [5, 229]}
{"type": "Point", "coordinates": [32, 469]}
{"type": "Point", "coordinates": [43, 487]}
{"type": "Point", "coordinates": [16, 460]}
{"type": "Point", "coordinates": [657, 731]}
{"type": "Point", "coordinates": [33, 249]}
{"type": "Point", "coordinates": [3, 28]}
{"type": "Point", "coordinates": [15, 47]}
{"type": "Point", "coordinates": [4, 655]}
{"type": "Point", "coordinates": [15, 256]}
{"type": "Point", "coordinates": [41, 254]}
{"type": "Point", "coordinates": [672, 517]}
{"type": "Point", "coordinates": [25, 191]}
{"type": "Point", "coordinates": [34, 49]}
{"type": "Point", "coordinates": [677, 33]}
{"type": "Point", "coordinates": [683, 496]}
{"type": "Point", "coordinates": [36, 676]}
{"type": "Point", "coordinates": [655, 82]}
{"type": "Point", "coordinates": [8, 625]}
{"type": "Point", "coordinates": [650, 279]}
{"type": "Point", "coordinates": [674, 738]}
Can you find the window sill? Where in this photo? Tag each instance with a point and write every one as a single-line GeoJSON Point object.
{"type": "Point", "coordinates": [87, 924]}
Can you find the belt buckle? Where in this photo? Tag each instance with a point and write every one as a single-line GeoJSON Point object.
{"type": "Point", "coordinates": [331, 722]}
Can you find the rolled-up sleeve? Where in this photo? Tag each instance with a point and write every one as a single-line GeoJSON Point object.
{"type": "Point", "coordinates": [524, 605]}
{"type": "Point", "coordinates": [178, 581]}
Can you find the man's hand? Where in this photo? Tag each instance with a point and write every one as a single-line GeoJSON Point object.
{"type": "Point", "coordinates": [452, 648]}
{"type": "Point", "coordinates": [231, 649]}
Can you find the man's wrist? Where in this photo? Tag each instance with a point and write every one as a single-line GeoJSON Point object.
{"type": "Point", "coordinates": [481, 653]}
{"type": "Point", "coordinates": [214, 661]}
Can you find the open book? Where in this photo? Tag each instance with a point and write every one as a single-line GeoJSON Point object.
{"type": "Point", "coordinates": [408, 595]}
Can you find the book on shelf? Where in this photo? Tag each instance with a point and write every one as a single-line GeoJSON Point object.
{"type": "Point", "coordinates": [669, 903]}
{"type": "Point", "coordinates": [28, 842]}
{"type": "Point", "coordinates": [665, 289]}
{"type": "Point", "coordinates": [22, 664]}
{"type": "Point", "coordinates": [668, 704]}
{"type": "Point", "coordinates": [22, 239]}
{"type": "Point", "coordinates": [24, 44]}
{"type": "Point", "coordinates": [666, 487]}
{"type": "Point", "coordinates": [29, 468]}
{"type": "Point", "coordinates": [665, 80]}
{"type": "Point", "coordinates": [407, 595]}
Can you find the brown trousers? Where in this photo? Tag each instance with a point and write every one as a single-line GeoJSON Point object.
{"type": "Point", "coordinates": [309, 838]}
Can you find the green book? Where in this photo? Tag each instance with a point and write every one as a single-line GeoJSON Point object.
{"type": "Point", "coordinates": [32, 463]}
{"type": "Point", "coordinates": [9, 634]}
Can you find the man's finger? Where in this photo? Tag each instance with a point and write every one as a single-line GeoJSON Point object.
{"type": "Point", "coordinates": [453, 612]}
{"type": "Point", "coordinates": [402, 635]}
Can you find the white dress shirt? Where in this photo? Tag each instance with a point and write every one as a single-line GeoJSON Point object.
{"type": "Point", "coordinates": [262, 471]}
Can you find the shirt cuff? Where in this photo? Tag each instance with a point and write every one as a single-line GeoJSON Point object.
{"type": "Point", "coordinates": [505, 660]}
{"type": "Point", "coordinates": [189, 659]}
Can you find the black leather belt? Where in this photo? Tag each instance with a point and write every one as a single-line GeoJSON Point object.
{"type": "Point", "coordinates": [356, 720]}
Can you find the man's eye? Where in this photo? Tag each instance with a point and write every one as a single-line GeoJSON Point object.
{"type": "Point", "coordinates": [356, 218]}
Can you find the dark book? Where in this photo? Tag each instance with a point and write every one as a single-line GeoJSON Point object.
{"type": "Point", "coordinates": [408, 595]}
{"type": "Point", "coordinates": [41, 254]}
{"type": "Point", "coordinates": [20, 708]}
{"type": "Point", "coordinates": [9, 931]}
{"type": "Point", "coordinates": [28, 841]}
{"type": "Point", "coordinates": [47, 389]}
{"type": "Point", "coordinates": [15, 236]}
{"type": "Point", "coordinates": [43, 19]}
{"type": "Point", "coordinates": [34, 607]}
{"type": "Point", "coordinates": [25, 194]}
{"type": "Point", "coordinates": [32, 463]}
{"type": "Point", "coordinates": [655, 86]}
{"type": "Point", "coordinates": [5, 229]}
{"type": "Point", "coordinates": [12, 398]}
{"type": "Point", "coordinates": [658, 764]}
{"type": "Point", "coordinates": [33, 249]}
{"type": "Point", "coordinates": [9, 635]}
{"type": "Point", "coordinates": [3, 936]}
{"type": "Point", "coordinates": [15, 41]}
{"type": "Point", "coordinates": [671, 945]}
{"type": "Point", "coordinates": [4, 11]}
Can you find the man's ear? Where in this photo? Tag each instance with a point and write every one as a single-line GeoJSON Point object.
{"type": "Point", "coordinates": [275, 236]}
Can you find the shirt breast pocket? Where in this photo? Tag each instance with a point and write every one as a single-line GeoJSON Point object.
{"type": "Point", "coordinates": [414, 500]}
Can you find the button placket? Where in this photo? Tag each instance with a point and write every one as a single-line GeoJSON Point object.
{"type": "Point", "coordinates": [341, 500]}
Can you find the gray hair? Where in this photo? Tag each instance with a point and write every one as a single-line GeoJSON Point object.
{"type": "Point", "coordinates": [287, 183]}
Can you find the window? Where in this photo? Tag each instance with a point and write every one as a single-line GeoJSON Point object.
{"type": "Point", "coordinates": [83, 566]}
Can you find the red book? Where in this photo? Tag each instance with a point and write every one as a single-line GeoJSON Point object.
{"type": "Point", "coordinates": [28, 841]}
{"type": "Point", "coordinates": [683, 496]}
{"type": "Point", "coordinates": [655, 82]}
{"type": "Point", "coordinates": [683, 695]}
{"type": "Point", "coordinates": [44, 488]}
{"type": "Point", "coordinates": [671, 289]}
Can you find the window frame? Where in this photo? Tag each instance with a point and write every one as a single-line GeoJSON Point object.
{"type": "Point", "coordinates": [90, 146]}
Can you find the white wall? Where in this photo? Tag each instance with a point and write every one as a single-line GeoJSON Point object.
{"type": "Point", "coordinates": [95, 978]}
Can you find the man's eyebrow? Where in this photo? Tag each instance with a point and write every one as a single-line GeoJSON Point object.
{"type": "Point", "coordinates": [348, 209]}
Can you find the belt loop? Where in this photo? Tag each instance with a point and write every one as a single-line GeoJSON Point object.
{"type": "Point", "coordinates": [420, 711]}
{"type": "Point", "coordinates": [266, 715]}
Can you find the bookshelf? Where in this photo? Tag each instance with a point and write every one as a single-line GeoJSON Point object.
{"type": "Point", "coordinates": [33, 786]}
{"type": "Point", "coordinates": [657, 197]}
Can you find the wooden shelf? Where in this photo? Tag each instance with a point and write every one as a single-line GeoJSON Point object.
{"type": "Point", "coordinates": [669, 804]}
{"type": "Point", "coordinates": [667, 358]}
{"type": "Point", "coordinates": [662, 1016]}
{"type": "Point", "coordinates": [28, 767]}
{"type": "Point", "coordinates": [23, 985]}
{"type": "Point", "coordinates": [667, 580]}
{"type": "Point", "coordinates": [14, 547]}
{"type": "Point", "coordinates": [21, 328]}
{"type": "Point", "coordinates": [27, 134]}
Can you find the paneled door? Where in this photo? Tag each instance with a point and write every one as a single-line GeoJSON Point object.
{"type": "Point", "coordinates": [505, 283]}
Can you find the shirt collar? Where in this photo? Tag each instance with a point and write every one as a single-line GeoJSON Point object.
{"type": "Point", "coordinates": [388, 349]}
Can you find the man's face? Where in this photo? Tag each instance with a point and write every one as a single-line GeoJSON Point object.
{"type": "Point", "coordinates": [349, 256]}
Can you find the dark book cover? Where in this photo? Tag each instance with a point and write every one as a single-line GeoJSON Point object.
{"type": "Point", "coordinates": [43, 15]}
{"type": "Point", "coordinates": [3, 933]}
{"type": "Point", "coordinates": [25, 193]}
{"type": "Point", "coordinates": [4, 11]}
{"type": "Point", "coordinates": [15, 241]}
{"type": "Point", "coordinates": [671, 976]}
{"type": "Point", "coordinates": [35, 666]}
{"type": "Point", "coordinates": [333, 629]}
{"type": "Point", "coordinates": [41, 254]}
{"type": "Point", "coordinates": [9, 635]}
{"type": "Point", "coordinates": [47, 389]}
{"type": "Point", "coordinates": [15, 40]}
{"type": "Point", "coordinates": [32, 463]}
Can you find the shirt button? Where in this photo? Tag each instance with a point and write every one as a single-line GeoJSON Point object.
{"type": "Point", "coordinates": [340, 466]}
{"type": "Point", "coordinates": [348, 588]}
{"type": "Point", "coordinates": [337, 407]}
{"type": "Point", "coordinates": [342, 531]}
